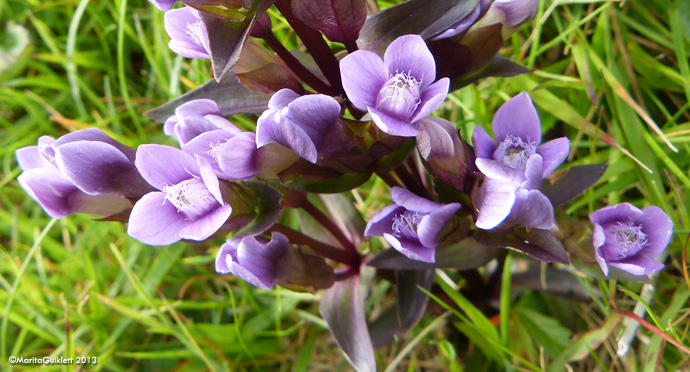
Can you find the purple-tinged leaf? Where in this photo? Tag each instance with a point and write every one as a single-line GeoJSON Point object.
{"type": "Point", "coordinates": [267, 206]}
{"type": "Point", "coordinates": [552, 280]}
{"type": "Point", "coordinates": [339, 20]}
{"type": "Point", "coordinates": [426, 18]}
{"type": "Point", "coordinates": [226, 38]}
{"type": "Point", "coordinates": [564, 185]}
{"type": "Point", "coordinates": [311, 178]}
{"type": "Point", "coordinates": [342, 307]}
{"type": "Point", "coordinates": [536, 243]}
{"type": "Point", "coordinates": [464, 255]}
{"type": "Point", "coordinates": [345, 215]}
{"type": "Point", "coordinates": [409, 309]}
{"type": "Point", "coordinates": [231, 96]}
{"type": "Point", "coordinates": [499, 67]}
{"type": "Point", "coordinates": [263, 71]}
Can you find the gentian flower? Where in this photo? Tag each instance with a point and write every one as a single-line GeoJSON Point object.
{"type": "Point", "coordinates": [515, 166]}
{"type": "Point", "coordinates": [466, 22]}
{"type": "Point", "coordinates": [82, 172]}
{"type": "Point", "coordinates": [440, 145]}
{"type": "Point", "coordinates": [265, 263]}
{"type": "Point", "coordinates": [190, 202]}
{"type": "Point", "coordinates": [304, 124]}
{"type": "Point", "coordinates": [396, 91]}
{"type": "Point", "coordinates": [194, 118]}
{"type": "Point", "coordinates": [509, 13]}
{"type": "Point", "coordinates": [412, 225]}
{"type": "Point", "coordinates": [255, 261]}
{"type": "Point", "coordinates": [163, 5]}
{"type": "Point", "coordinates": [630, 239]}
{"type": "Point", "coordinates": [188, 34]}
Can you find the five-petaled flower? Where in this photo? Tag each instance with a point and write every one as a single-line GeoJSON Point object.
{"type": "Point", "coordinates": [412, 225]}
{"type": "Point", "coordinates": [254, 260]}
{"type": "Point", "coordinates": [396, 91]}
{"type": "Point", "coordinates": [630, 239]}
{"type": "Point", "coordinates": [515, 166]}
{"type": "Point", "coordinates": [190, 202]}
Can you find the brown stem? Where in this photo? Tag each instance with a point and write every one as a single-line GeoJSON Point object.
{"type": "Point", "coordinates": [327, 251]}
{"type": "Point", "coordinates": [326, 222]}
{"type": "Point", "coordinates": [307, 76]}
{"type": "Point", "coordinates": [410, 182]}
{"type": "Point", "coordinates": [316, 45]}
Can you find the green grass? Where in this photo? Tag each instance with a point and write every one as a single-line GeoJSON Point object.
{"type": "Point", "coordinates": [614, 77]}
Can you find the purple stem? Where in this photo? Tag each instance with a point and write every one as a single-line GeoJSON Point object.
{"type": "Point", "coordinates": [325, 250]}
{"type": "Point", "coordinates": [307, 76]}
{"type": "Point", "coordinates": [326, 222]}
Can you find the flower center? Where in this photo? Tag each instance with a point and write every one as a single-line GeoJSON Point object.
{"type": "Point", "coordinates": [190, 197]}
{"type": "Point", "coordinates": [624, 240]}
{"type": "Point", "coordinates": [514, 152]}
{"type": "Point", "coordinates": [195, 32]}
{"type": "Point", "coordinates": [400, 96]}
{"type": "Point", "coordinates": [405, 225]}
{"type": "Point", "coordinates": [217, 149]}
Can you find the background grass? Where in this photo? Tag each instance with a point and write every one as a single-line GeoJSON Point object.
{"type": "Point", "coordinates": [613, 76]}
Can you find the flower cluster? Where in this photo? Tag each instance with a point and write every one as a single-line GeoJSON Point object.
{"type": "Point", "coordinates": [325, 125]}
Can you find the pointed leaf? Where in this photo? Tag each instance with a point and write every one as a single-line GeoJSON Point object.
{"type": "Point", "coordinates": [564, 185]}
{"type": "Point", "coordinates": [410, 307]}
{"type": "Point", "coordinates": [466, 254]}
{"type": "Point", "coordinates": [499, 67]}
{"type": "Point", "coordinates": [339, 20]}
{"type": "Point", "coordinates": [426, 18]}
{"type": "Point", "coordinates": [342, 307]}
{"type": "Point", "coordinates": [231, 96]}
{"type": "Point", "coordinates": [226, 38]}
{"type": "Point", "coordinates": [536, 243]}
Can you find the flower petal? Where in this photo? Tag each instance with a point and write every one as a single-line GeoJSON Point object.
{"type": "Point", "coordinates": [164, 165]}
{"type": "Point", "coordinates": [238, 161]}
{"type": "Point", "coordinates": [206, 225]}
{"type": "Point", "coordinates": [391, 124]}
{"type": "Point", "coordinates": [532, 209]}
{"type": "Point", "coordinates": [484, 146]}
{"type": "Point", "coordinates": [99, 168]}
{"type": "Point", "coordinates": [30, 158]}
{"type": "Point", "coordinates": [382, 221]}
{"type": "Point", "coordinates": [624, 212]}
{"type": "Point", "coordinates": [155, 221]}
{"type": "Point", "coordinates": [554, 153]}
{"type": "Point", "coordinates": [282, 99]}
{"type": "Point", "coordinates": [412, 202]}
{"type": "Point", "coordinates": [432, 224]}
{"type": "Point", "coordinates": [639, 264]}
{"type": "Point", "coordinates": [432, 97]}
{"type": "Point", "coordinates": [411, 249]}
{"type": "Point", "coordinates": [495, 200]}
{"type": "Point", "coordinates": [598, 239]}
{"type": "Point", "coordinates": [493, 169]}
{"type": "Point", "coordinates": [315, 114]}
{"type": "Point", "coordinates": [658, 227]}
{"type": "Point", "coordinates": [363, 75]}
{"type": "Point", "coordinates": [410, 54]}
{"type": "Point", "coordinates": [518, 118]}
{"type": "Point", "coordinates": [209, 178]}
{"type": "Point", "coordinates": [533, 173]}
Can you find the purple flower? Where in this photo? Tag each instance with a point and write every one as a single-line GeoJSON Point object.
{"type": "Point", "coordinates": [515, 166]}
{"type": "Point", "coordinates": [412, 225]}
{"type": "Point", "coordinates": [188, 35]}
{"type": "Point", "coordinates": [82, 172]}
{"type": "Point", "coordinates": [630, 239]}
{"type": "Point", "coordinates": [189, 204]}
{"type": "Point", "coordinates": [304, 124]}
{"type": "Point", "coordinates": [396, 91]}
{"type": "Point", "coordinates": [466, 22]}
{"type": "Point", "coordinates": [163, 5]}
{"type": "Point", "coordinates": [510, 13]}
{"type": "Point", "coordinates": [440, 145]}
{"type": "Point", "coordinates": [232, 155]}
{"type": "Point", "coordinates": [196, 117]}
{"type": "Point", "coordinates": [255, 261]}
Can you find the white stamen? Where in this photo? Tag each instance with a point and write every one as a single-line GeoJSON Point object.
{"type": "Point", "coordinates": [400, 95]}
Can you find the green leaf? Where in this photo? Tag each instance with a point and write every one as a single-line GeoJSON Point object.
{"type": "Point", "coordinates": [548, 332]}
